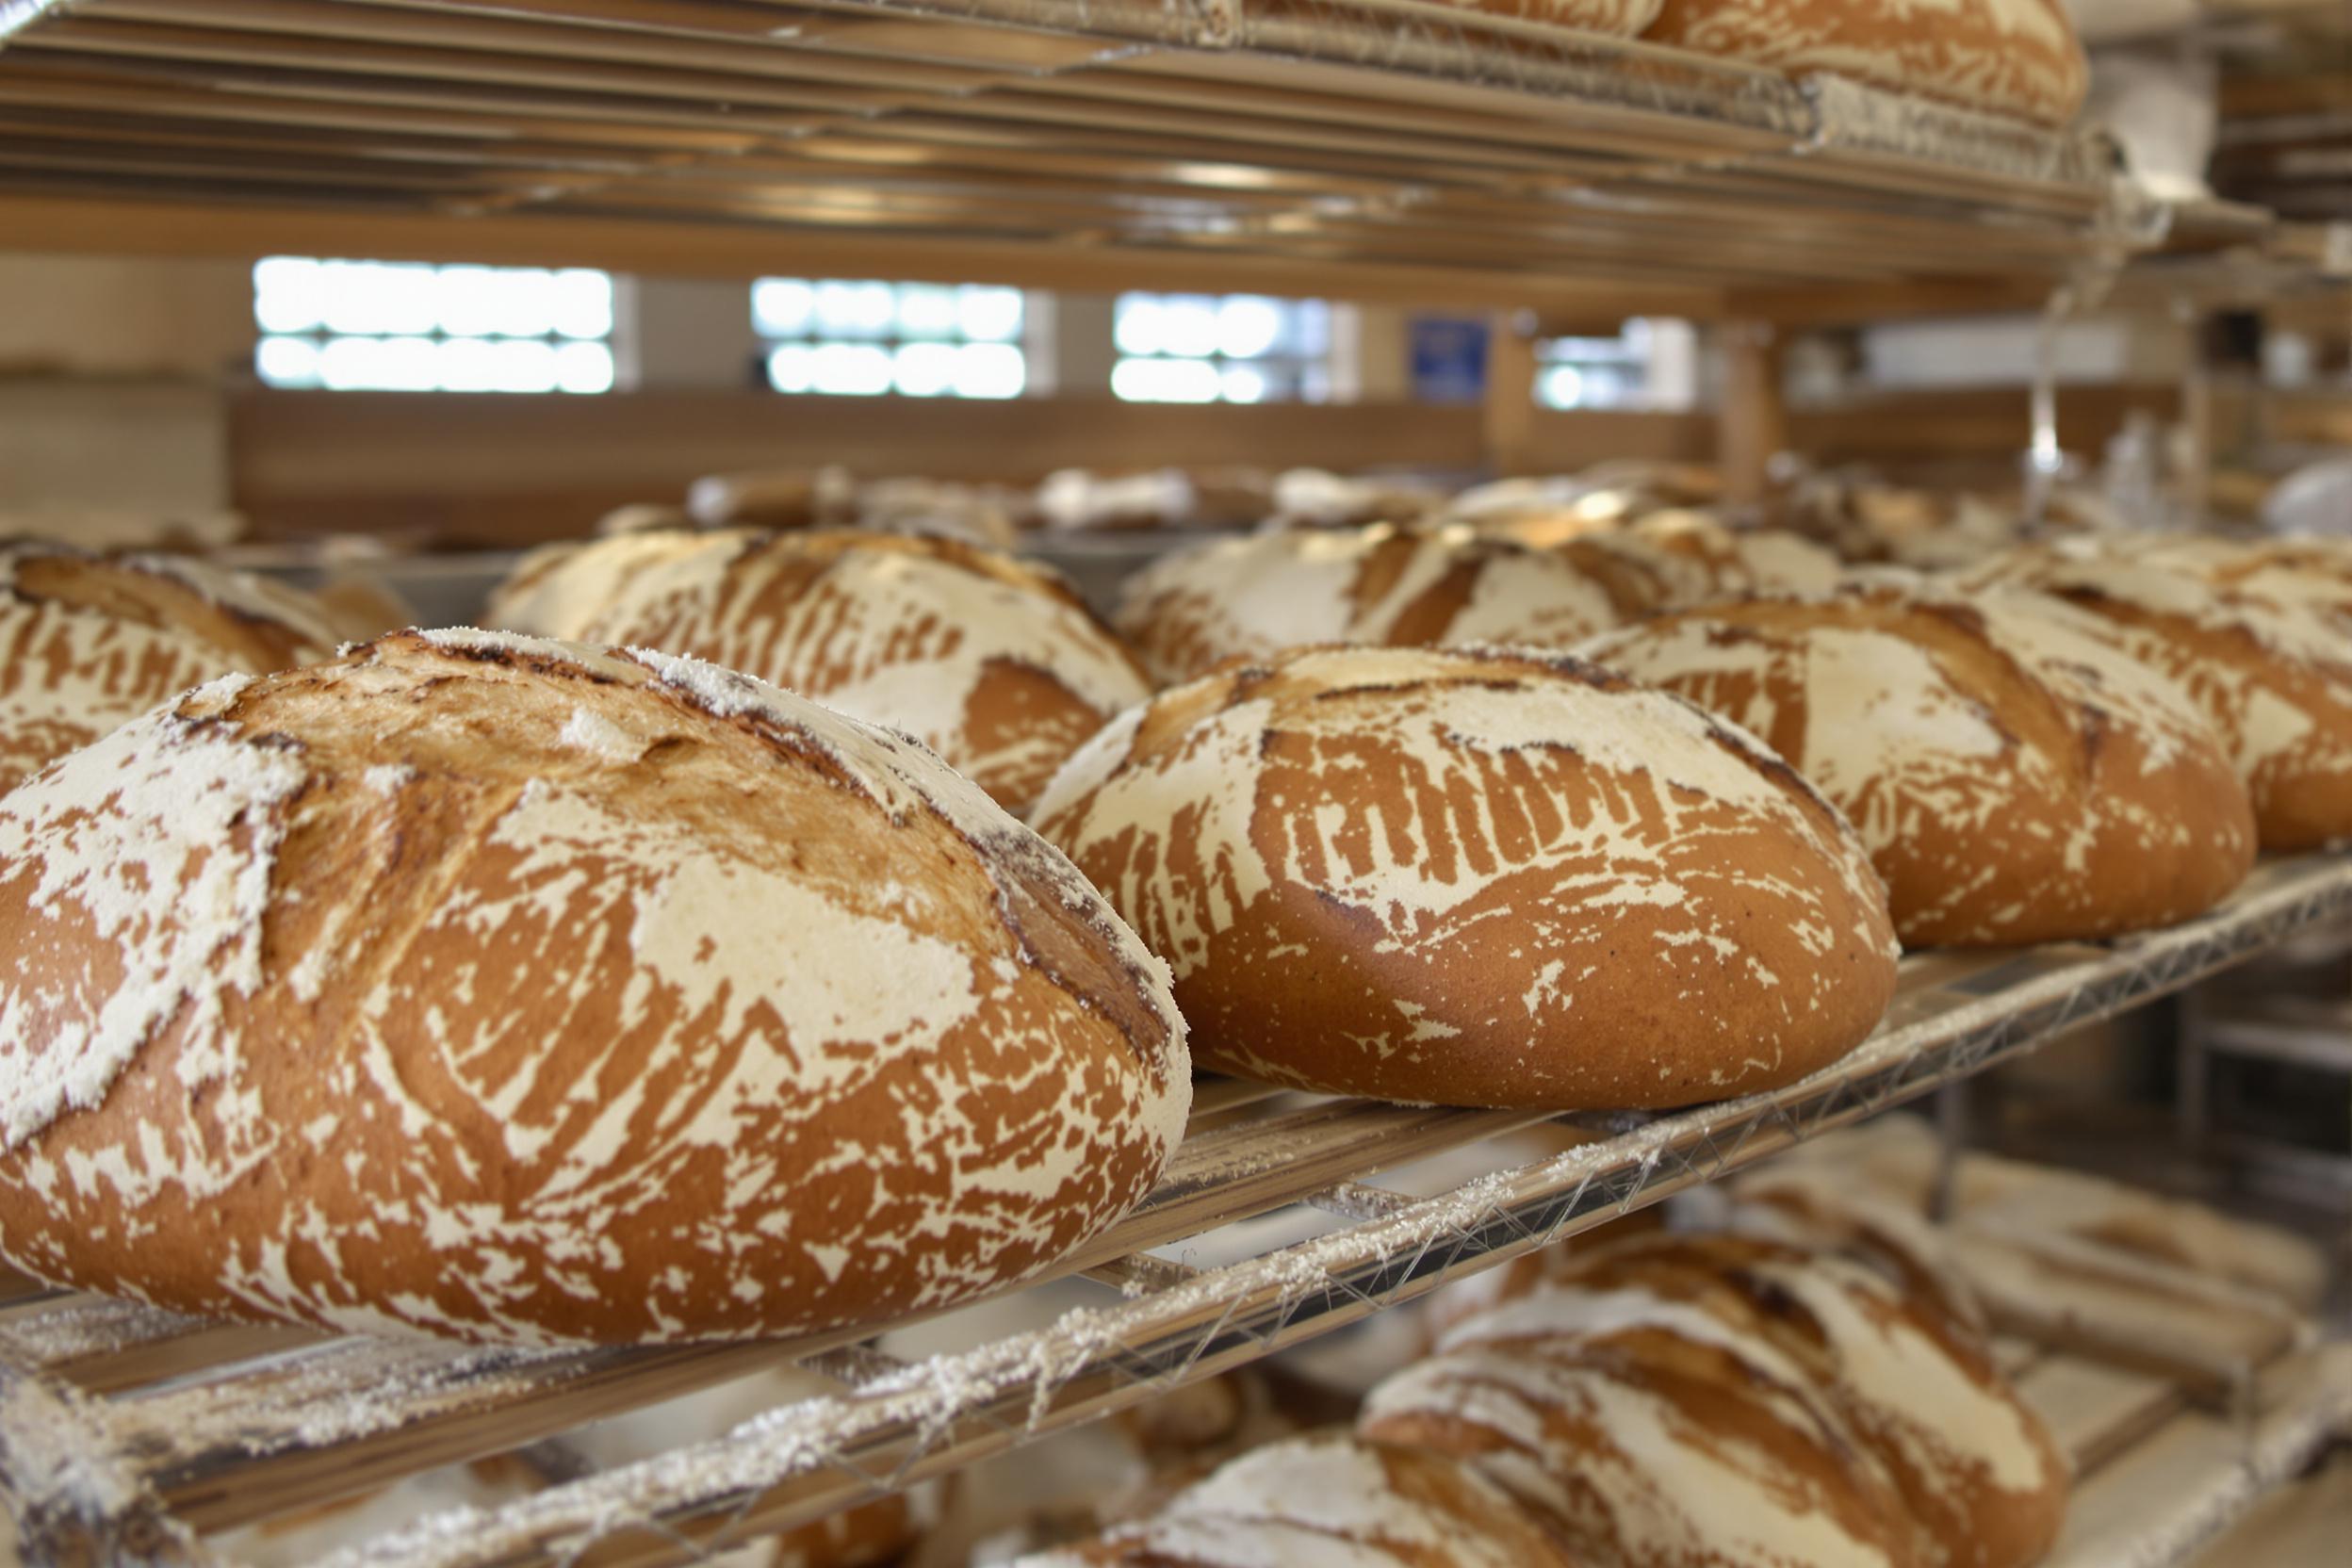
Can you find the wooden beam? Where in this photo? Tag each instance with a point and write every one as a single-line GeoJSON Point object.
{"type": "Point", "coordinates": [1510, 412]}
{"type": "Point", "coordinates": [691, 249]}
{"type": "Point", "coordinates": [1753, 423]}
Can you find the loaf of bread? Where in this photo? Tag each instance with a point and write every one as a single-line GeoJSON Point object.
{"type": "Point", "coordinates": [558, 590]}
{"type": "Point", "coordinates": [2274, 675]}
{"type": "Point", "coordinates": [1247, 597]}
{"type": "Point", "coordinates": [995, 664]}
{"type": "Point", "coordinates": [1382, 586]}
{"type": "Point", "coordinates": [1971, 1461]}
{"type": "Point", "coordinates": [2015, 779]}
{"type": "Point", "coordinates": [1478, 877]}
{"type": "Point", "coordinates": [88, 643]}
{"type": "Point", "coordinates": [1329, 1499]}
{"type": "Point", "coordinates": [1743, 561]}
{"type": "Point", "coordinates": [1645, 1431]}
{"type": "Point", "coordinates": [2015, 57]}
{"type": "Point", "coordinates": [510, 991]}
{"type": "Point", "coordinates": [2304, 571]}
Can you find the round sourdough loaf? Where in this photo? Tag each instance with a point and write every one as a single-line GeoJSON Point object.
{"type": "Point", "coordinates": [512, 990]}
{"type": "Point", "coordinates": [1329, 1500]}
{"type": "Point", "coordinates": [2017, 57]}
{"type": "Point", "coordinates": [1382, 587]}
{"type": "Point", "coordinates": [1646, 1430]}
{"type": "Point", "coordinates": [2015, 779]}
{"type": "Point", "coordinates": [88, 643]}
{"type": "Point", "coordinates": [1478, 877]}
{"type": "Point", "coordinates": [1487, 592]}
{"type": "Point", "coordinates": [995, 664]}
{"type": "Point", "coordinates": [1973, 1462]}
{"type": "Point", "coordinates": [1248, 596]}
{"type": "Point", "coordinates": [2305, 570]}
{"type": "Point", "coordinates": [2273, 675]}
{"type": "Point", "coordinates": [558, 590]}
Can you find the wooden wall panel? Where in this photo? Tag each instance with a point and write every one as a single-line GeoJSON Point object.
{"type": "Point", "coordinates": [458, 470]}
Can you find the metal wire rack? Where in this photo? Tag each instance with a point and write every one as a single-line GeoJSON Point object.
{"type": "Point", "coordinates": [1408, 148]}
{"type": "Point", "coordinates": [128, 1432]}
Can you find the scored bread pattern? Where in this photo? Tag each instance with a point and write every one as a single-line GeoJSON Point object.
{"type": "Point", "coordinates": [510, 991]}
{"type": "Point", "coordinates": [86, 644]}
{"type": "Point", "coordinates": [558, 590]}
{"type": "Point", "coordinates": [1380, 585]}
{"type": "Point", "coordinates": [2016, 58]}
{"type": "Point", "coordinates": [1478, 877]}
{"type": "Point", "coordinates": [1914, 1388]}
{"type": "Point", "coordinates": [993, 662]}
{"type": "Point", "coordinates": [2015, 779]}
{"type": "Point", "coordinates": [1648, 1430]}
{"type": "Point", "coordinates": [2273, 675]}
{"type": "Point", "coordinates": [1329, 1500]}
{"type": "Point", "coordinates": [1251, 596]}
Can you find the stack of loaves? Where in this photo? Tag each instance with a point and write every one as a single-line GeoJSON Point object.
{"type": "Point", "coordinates": [1709, 1400]}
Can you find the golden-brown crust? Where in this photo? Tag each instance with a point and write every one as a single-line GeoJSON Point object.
{"type": "Point", "coordinates": [1972, 1461]}
{"type": "Point", "coordinates": [2273, 675]}
{"type": "Point", "coordinates": [509, 991]}
{"type": "Point", "coordinates": [2016, 58]}
{"type": "Point", "coordinates": [88, 643]}
{"type": "Point", "coordinates": [1478, 877]}
{"type": "Point", "coordinates": [994, 663]}
{"type": "Point", "coordinates": [1335, 1500]}
{"type": "Point", "coordinates": [2015, 779]}
{"type": "Point", "coordinates": [1649, 1430]}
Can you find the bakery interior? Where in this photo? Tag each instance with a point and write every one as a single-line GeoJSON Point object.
{"type": "Point", "coordinates": [1189, 783]}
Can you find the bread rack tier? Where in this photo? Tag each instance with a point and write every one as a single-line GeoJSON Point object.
{"type": "Point", "coordinates": [1399, 149]}
{"type": "Point", "coordinates": [126, 1432]}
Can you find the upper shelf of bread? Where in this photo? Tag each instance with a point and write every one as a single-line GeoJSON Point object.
{"type": "Point", "coordinates": [1401, 149]}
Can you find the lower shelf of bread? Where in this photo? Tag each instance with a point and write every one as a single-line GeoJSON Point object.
{"type": "Point", "coordinates": [1283, 1218]}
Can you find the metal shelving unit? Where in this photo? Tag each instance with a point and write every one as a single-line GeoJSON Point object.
{"type": "Point", "coordinates": [121, 1423]}
{"type": "Point", "coordinates": [1405, 150]}
{"type": "Point", "coordinates": [1400, 148]}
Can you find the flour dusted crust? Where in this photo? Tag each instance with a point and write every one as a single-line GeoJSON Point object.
{"type": "Point", "coordinates": [995, 664]}
{"type": "Point", "coordinates": [2303, 571]}
{"type": "Point", "coordinates": [1650, 1431]}
{"type": "Point", "coordinates": [2274, 675]}
{"type": "Point", "coordinates": [1487, 592]}
{"type": "Point", "coordinates": [1329, 1501]}
{"type": "Point", "coordinates": [1248, 597]}
{"type": "Point", "coordinates": [1478, 877]}
{"type": "Point", "coordinates": [87, 642]}
{"type": "Point", "coordinates": [515, 991]}
{"type": "Point", "coordinates": [2016, 58]}
{"type": "Point", "coordinates": [558, 590]}
{"type": "Point", "coordinates": [1971, 1461]}
{"type": "Point", "coordinates": [2015, 779]}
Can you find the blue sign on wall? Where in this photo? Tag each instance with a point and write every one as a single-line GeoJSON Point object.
{"type": "Point", "coordinates": [1448, 358]}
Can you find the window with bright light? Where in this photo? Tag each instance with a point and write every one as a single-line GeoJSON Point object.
{"type": "Point", "coordinates": [1650, 365]}
{"type": "Point", "coordinates": [1234, 348]}
{"type": "Point", "coordinates": [860, 338]}
{"type": "Point", "coordinates": [378, 326]}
